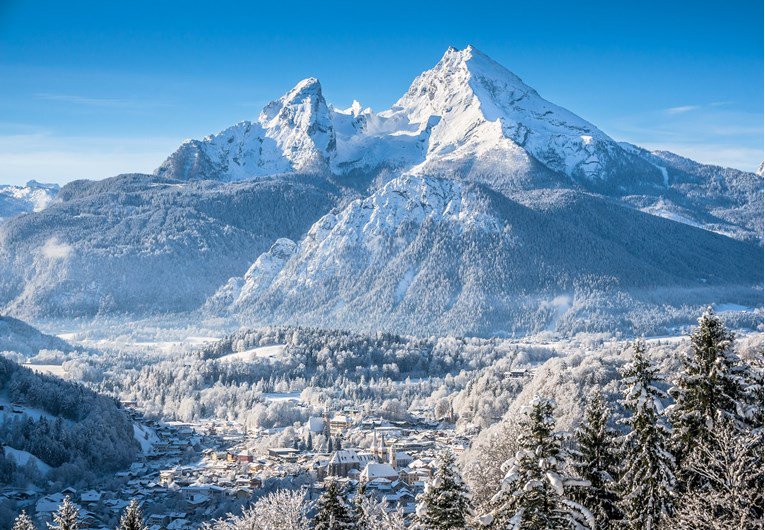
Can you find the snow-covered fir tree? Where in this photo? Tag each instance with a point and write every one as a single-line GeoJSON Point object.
{"type": "Point", "coordinates": [23, 522]}
{"type": "Point", "coordinates": [67, 517]}
{"type": "Point", "coordinates": [445, 503]}
{"type": "Point", "coordinates": [360, 514]}
{"type": "Point", "coordinates": [730, 465]}
{"type": "Point", "coordinates": [534, 493]}
{"type": "Point", "coordinates": [332, 510]}
{"type": "Point", "coordinates": [280, 510]}
{"type": "Point", "coordinates": [647, 481]}
{"type": "Point", "coordinates": [596, 460]}
{"type": "Point", "coordinates": [132, 518]}
{"type": "Point", "coordinates": [713, 385]}
{"type": "Point", "coordinates": [373, 514]}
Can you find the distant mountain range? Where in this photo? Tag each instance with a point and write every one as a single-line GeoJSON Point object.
{"type": "Point", "coordinates": [15, 200]}
{"type": "Point", "coordinates": [472, 206]}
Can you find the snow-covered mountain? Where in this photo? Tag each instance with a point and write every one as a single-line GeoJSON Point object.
{"type": "Point", "coordinates": [33, 197]}
{"type": "Point", "coordinates": [434, 255]}
{"type": "Point", "coordinates": [472, 205]}
{"type": "Point", "coordinates": [142, 243]}
{"type": "Point", "coordinates": [466, 115]}
{"type": "Point", "coordinates": [293, 134]}
{"type": "Point", "coordinates": [468, 118]}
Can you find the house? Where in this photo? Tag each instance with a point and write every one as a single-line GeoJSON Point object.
{"type": "Point", "coordinates": [315, 424]}
{"type": "Point", "coordinates": [342, 462]}
{"type": "Point", "coordinates": [340, 423]}
{"type": "Point", "coordinates": [285, 453]}
{"type": "Point", "coordinates": [244, 456]}
{"type": "Point", "coordinates": [373, 471]}
{"type": "Point", "coordinates": [90, 497]}
{"type": "Point", "coordinates": [48, 504]}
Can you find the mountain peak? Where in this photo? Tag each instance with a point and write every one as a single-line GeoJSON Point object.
{"type": "Point", "coordinates": [301, 125]}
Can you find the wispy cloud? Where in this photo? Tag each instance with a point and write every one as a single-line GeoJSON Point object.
{"type": "Point", "coordinates": [682, 109]}
{"type": "Point", "coordinates": [714, 133]}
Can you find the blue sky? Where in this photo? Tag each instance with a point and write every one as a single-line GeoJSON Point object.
{"type": "Point", "coordinates": [93, 89]}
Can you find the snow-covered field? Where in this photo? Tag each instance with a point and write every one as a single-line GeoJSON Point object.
{"type": "Point", "coordinates": [263, 352]}
{"type": "Point", "coordinates": [282, 396]}
{"type": "Point", "coordinates": [22, 458]}
{"type": "Point", "coordinates": [49, 369]}
{"type": "Point", "coordinates": [146, 437]}
{"type": "Point", "coordinates": [10, 410]}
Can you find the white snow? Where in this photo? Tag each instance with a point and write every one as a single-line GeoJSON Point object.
{"type": "Point", "coordinates": [466, 110]}
{"type": "Point", "coordinates": [263, 352]}
{"type": "Point", "coordinates": [22, 458]}
{"type": "Point", "coordinates": [146, 437]}
{"type": "Point", "coordinates": [48, 369]}
{"type": "Point", "coordinates": [281, 396]}
{"type": "Point", "coordinates": [731, 307]}
{"type": "Point", "coordinates": [10, 410]}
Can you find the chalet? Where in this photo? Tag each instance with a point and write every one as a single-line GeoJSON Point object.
{"type": "Point", "coordinates": [373, 471]}
{"type": "Point", "coordinates": [244, 456]}
{"type": "Point", "coordinates": [287, 454]}
{"type": "Point", "coordinates": [340, 423]}
{"type": "Point", "coordinates": [90, 497]}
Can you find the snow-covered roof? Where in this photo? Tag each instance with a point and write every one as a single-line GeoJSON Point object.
{"type": "Point", "coordinates": [345, 456]}
{"type": "Point", "coordinates": [374, 470]}
{"type": "Point", "coordinates": [315, 424]}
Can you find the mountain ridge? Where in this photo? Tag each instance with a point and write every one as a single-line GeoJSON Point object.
{"type": "Point", "coordinates": [478, 206]}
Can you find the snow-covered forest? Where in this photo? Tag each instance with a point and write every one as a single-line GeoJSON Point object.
{"type": "Point", "coordinates": [593, 433]}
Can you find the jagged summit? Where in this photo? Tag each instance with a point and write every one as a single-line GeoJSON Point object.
{"type": "Point", "coordinates": [293, 134]}
{"type": "Point", "coordinates": [467, 117]}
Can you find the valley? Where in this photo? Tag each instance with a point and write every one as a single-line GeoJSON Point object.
{"type": "Point", "coordinates": [322, 314]}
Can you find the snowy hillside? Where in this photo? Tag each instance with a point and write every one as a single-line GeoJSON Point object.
{"type": "Point", "coordinates": [140, 243]}
{"type": "Point", "coordinates": [20, 337]}
{"type": "Point", "coordinates": [723, 200]}
{"type": "Point", "coordinates": [428, 255]}
{"type": "Point", "coordinates": [33, 197]}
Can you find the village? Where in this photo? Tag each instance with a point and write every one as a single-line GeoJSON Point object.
{"type": "Point", "coordinates": [191, 473]}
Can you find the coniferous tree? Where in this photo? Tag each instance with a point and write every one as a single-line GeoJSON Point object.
{"type": "Point", "coordinates": [596, 460]}
{"type": "Point", "coordinates": [359, 513]}
{"type": "Point", "coordinates": [332, 512]}
{"type": "Point", "coordinates": [534, 494]}
{"type": "Point", "coordinates": [648, 480]}
{"type": "Point", "coordinates": [330, 445]}
{"type": "Point", "coordinates": [310, 442]}
{"type": "Point", "coordinates": [132, 518]}
{"type": "Point", "coordinates": [712, 386]}
{"type": "Point", "coordinates": [23, 522]}
{"type": "Point", "coordinates": [446, 503]}
{"type": "Point", "coordinates": [731, 467]}
{"type": "Point", "coordinates": [67, 517]}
